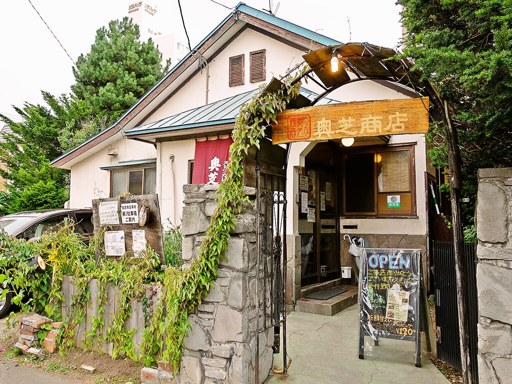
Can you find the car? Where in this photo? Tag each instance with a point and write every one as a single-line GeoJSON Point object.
{"type": "Point", "coordinates": [30, 225]}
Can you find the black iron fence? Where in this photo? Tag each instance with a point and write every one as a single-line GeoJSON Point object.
{"type": "Point", "coordinates": [447, 328]}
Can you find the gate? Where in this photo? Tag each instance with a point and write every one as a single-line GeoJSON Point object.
{"type": "Point", "coordinates": [447, 327]}
{"type": "Point", "coordinates": [271, 254]}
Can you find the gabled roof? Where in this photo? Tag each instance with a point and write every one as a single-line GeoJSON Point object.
{"type": "Point", "coordinates": [241, 17]}
{"type": "Point", "coordinates": [216, 117]}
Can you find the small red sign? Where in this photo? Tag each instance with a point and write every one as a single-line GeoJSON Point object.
{"type": "Point", "coordinates": [299, 127]}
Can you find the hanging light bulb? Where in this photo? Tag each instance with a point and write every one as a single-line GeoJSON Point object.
{"type": "Point", "coordinates": [335, 63]}
{"type": "Point", "coordinates": [347, 141]}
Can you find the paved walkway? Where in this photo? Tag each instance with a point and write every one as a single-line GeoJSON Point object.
{"type": "Point", "coordinates": [324, 349]}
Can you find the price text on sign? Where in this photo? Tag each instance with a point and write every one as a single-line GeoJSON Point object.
{"type": "Point", "coordinates": [358, 119]}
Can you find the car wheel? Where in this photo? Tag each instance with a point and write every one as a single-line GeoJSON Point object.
{"type": "Point", "coordinates": [5, 304]}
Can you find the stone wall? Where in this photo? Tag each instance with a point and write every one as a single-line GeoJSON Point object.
{"type": "Point", "coordinates": [494, 275]}
{"type": "Point", "coordinates": [222, 344]}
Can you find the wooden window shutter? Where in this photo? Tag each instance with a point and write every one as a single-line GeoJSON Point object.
{"type": "Point", "coordinates": [236, 70]}
{"type": "Point", "coordinates": [258, 66]}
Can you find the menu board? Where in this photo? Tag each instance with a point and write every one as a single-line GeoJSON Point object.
{"type": "Point", "coordinates": [389, 294]}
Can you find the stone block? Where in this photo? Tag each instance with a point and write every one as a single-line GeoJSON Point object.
{"type": "Point", "coordinates": [485, 373]}
{"type": "Point", "coordinates": [23, 347]}
{"type": "Point", "coordinates": [187, 247]}
{"type": "Point", "coordinates": [237, 294]}
{"type": "Point", "coordinates": [236, 255]}
{"type": "Point", "coordinates": [503, 368]}
{"type": "Point", "coordinates": [27, 330]}
{"type": "Point", "coordinates": [218, 362]}
{"type": "Point", "coordinates": [215, 373]}
{"type": "Point", "coordinates": [491, 228]}
{"type": "Point", "coordinates": [222, 351]}
{"type": "Point", "coordinates": [229, 325]}
{"type": "Point", "coordinates": [495, 338]}
{"type": "Point", "coordinates": [244, 223]}
{"type": "Point", "coordinates": [194, 220]}
{"type": "Point", "coordinates": [494, 287]}
{"type": "Point", "coordinates": [487, 251]}
{"type": "Point", "coordinates": [216, 294]}
{"type": "Point", "coordinates": [191, 371]}
{"type": "Point", "coordinates": [210, 208]}
{"type": "Point", "coordinates": [149, 375]}
{"type": "Point", "coordinates": [197, 339]}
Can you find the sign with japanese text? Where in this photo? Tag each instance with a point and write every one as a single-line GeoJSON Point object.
{"type": "Point", "coordinates": [210, 160]}
{"type": "Point", "coordinates": [357, 119]}
{"type": "Point", "coordinates": [390, 283]}
{"type": "Point", "coordinates": [389, 296]}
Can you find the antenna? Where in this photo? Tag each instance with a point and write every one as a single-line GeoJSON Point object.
{"type": "Point", "coordinates": [270, 6]}
{"type": "Point", "coordinates": [223, 5]}
{"type": "Point", "coordinates": [349, 30]}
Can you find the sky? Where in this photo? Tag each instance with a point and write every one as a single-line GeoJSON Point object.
{"type": "Point", "coordinates": [32, 60]}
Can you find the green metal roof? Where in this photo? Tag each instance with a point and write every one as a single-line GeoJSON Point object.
{"type": "Point", "coordinates": [220, 112]}
{"type": "Point", "coordinates": [129, 163]}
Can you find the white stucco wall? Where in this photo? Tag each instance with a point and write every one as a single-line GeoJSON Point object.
{"type": "Point", "coordinates": [279, 57]}
{"type": "Point", "coordinates": [89, 182]}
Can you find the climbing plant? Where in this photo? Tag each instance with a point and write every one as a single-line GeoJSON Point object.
{"type": "Point", "coordinates": [182, 290]}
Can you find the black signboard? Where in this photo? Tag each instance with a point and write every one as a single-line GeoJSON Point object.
{"type": "Point", "coordinates": [389, 296]}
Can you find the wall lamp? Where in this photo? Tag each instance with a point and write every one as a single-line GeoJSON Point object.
{"type": "Point", "coordinates": [335, 63]}
{"type": "Point", "coordinates": [347, 141]}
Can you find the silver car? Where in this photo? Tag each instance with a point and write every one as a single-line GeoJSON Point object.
{"type": "Point", "coordinates": [31, 225]}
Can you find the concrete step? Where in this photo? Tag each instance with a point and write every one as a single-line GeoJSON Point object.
{"type": "Point", "coordinates": [331, 306]}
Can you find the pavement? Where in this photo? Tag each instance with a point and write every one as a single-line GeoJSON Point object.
{"type": "Point", "coordinates": [325, 349]}
{"type": "Point", "coordinates": [13, 372]}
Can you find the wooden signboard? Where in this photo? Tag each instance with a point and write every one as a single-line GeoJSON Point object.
{"type": "Point", "coordinates": [358, 119]}
{"type": "Point", "coordinates": [389, 296]}
{"type": "Point", "coordinates": [131, 223]}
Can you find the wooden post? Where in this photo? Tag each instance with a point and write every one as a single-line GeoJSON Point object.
{"type": "Point", "coordinates": [454, 163]}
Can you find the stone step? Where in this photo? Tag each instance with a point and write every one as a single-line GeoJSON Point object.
{"type": "Point", "coordinates": [331, 306]}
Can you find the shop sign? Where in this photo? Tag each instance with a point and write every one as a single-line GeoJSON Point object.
{"type": "Point", "coordinates": [357, 119]}
{"type": "Point", "coordinates": [389, 294]}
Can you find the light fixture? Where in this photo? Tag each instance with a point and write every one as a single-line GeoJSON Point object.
{"type": "Point", "coordinates": [335, 63]}
{"type": "Point", "coordinates": [347, 141]}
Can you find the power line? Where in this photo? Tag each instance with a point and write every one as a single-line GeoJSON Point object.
{"type": "Point", "coordinates": [47, 26]}
{"type": "Point", "coordinates": [184, 26]}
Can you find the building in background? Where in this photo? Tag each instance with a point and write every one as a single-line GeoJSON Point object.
{"type": "Point", "coordinates": [153, 23]}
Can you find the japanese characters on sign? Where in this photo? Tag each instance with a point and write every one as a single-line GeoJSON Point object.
{"type": "Point", "coordinates": [108, 212]}
{"type": "Point", "coordinates": [334, 121]}
{"type": "Point", "coordinates": [129, 213]}
{"type": "Point", "coordinates": [389, 288]}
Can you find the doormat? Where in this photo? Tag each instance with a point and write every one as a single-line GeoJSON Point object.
{"type": "Point", "coordinates": [327, 293]}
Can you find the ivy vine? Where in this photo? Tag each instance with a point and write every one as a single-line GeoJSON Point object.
{"type": "Point", "coordinates": [181, 290]}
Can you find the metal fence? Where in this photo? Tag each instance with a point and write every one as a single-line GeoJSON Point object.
{"type": "Point", "coordinates": [447, 328]}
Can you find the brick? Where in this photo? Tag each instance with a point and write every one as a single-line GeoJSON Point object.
{"type": "Point", "coordinates": [165, 366]}
{"type": "Point", "coordinates": [49, 345]}
{"type": "Point", "coordinates": [35, 351]}
{"type": "Point", "coordinates": [24, 348]}
{"type": "Point", "coordinates": [57, 324]}
{"type": "Point", "coordinates": [149, 375]}
{"type": "Point", "coordinates": [52, 335]}
{"type": "Point", "coordinates": [32, 337]}
{"type": "Point", "coordinates": [88, 368]}
{"type": "Point", "coordinates": [27, 330]}
{"type": "Point", "coordinates": [35, 320]}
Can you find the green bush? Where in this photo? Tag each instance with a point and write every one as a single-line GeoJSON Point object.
{"type": "Point", "coordinates": [172, 246]}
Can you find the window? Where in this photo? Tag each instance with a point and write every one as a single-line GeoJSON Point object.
{"type": "Point", "coordinates": [257, 66]}
{"type": "Point", "coordinates": [236, 70]}
{"type": "Point", "coordinates": [379, 182]}
{"type": "Point", "coordinates": [135, 181]}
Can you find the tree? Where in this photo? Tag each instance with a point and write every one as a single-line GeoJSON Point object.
{"type": "Point", "coordinates": [465, 49]}
{"type": "Point", "coordinates": [117, 71]}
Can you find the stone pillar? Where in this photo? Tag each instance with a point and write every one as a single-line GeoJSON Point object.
{"type": "Point", "coordinates": [494, 275]}
{"type": "Point", "coordinates": [221, 346]}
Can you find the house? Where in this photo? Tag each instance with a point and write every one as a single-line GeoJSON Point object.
{"type": "Point", "coordinates": [162, 142]}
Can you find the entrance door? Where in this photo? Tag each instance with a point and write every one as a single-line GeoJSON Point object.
{"type": "Point", "coordinates": [318, 224]}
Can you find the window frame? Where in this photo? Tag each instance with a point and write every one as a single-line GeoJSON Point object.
{"type": "Point", "coordinates": [127, 171]}
{"type": "Point", "coordinates": [378, 210]}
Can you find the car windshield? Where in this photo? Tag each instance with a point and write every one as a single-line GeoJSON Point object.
{"type": "Point", "coordinates": [13, 225]}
